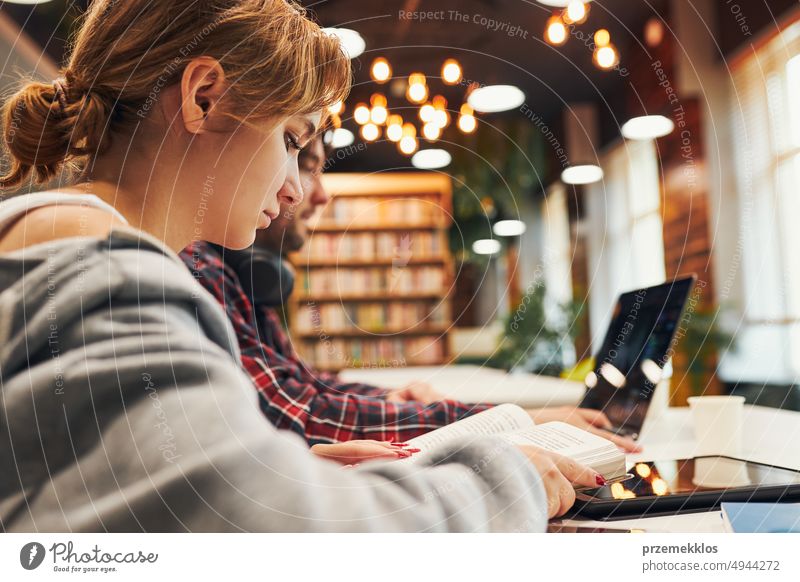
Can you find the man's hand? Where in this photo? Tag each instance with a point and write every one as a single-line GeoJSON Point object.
{"type": "Point", "coordinates": [593, 421]}
{"type": "Point", "coordinates": [415, 392]}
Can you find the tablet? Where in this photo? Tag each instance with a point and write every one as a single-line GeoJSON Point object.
{"type": "Point", "coordinates": [685, 485]}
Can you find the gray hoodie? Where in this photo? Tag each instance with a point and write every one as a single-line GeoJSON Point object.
{"type": "Point", "coordinates": [123, 409]}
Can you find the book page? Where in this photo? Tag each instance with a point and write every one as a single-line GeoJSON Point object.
{"type": "Point", "coordinates": [497, 420]}
{"type": "Point", "coordinates": [561, 438]}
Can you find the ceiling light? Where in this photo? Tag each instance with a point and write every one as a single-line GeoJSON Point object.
{"type": "Point", "coordinates": [370, 132]}
{"type": "Point", "coordinates": [341, 138]}
{"type": "Point", "coordinates": [361, 114]}
{"type": "Point", "coordinates": [584, 174]}
{"type": "Point", "coordinates": [352, 42]}
{"type": "Point", "coordinates": [494, 98]}
{"type": "Point", "coordinates": [486, 246]}
{"type": "Point", "coordinates": [647, 127]}
{"type": "Point", "coordinates": [381, 70]}
{"type": "Point", "coordinates": [555, 33]}
{"type": "Point", "coordinates": [508, 228]}
{"type": "Point", "coordinates": [451, 72]}
{"type": "Point", "coordinates": [408, 144]}
{"type": "Point", "coordinates": [431, 159]}
{"type": "Point", "coordinates": [554, 3]}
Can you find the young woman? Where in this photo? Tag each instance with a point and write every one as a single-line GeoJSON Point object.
{"type": "Point", "coordinates": [123, 407]}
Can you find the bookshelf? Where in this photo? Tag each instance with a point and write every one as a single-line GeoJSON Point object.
{"type": "Point", "coordinates": [374, 277]}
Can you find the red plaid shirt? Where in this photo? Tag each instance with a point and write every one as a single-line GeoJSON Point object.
{"type": "Point", "coordinates": [293, 396]}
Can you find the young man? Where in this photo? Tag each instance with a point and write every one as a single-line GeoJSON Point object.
{"type": "Point", "coordinates": [293, 395]}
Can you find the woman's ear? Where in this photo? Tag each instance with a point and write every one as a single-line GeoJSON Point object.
{"type": "Point", "coordinates": [202, 87]}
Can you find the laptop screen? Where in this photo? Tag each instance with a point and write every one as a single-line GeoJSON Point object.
{"type": "Point", "coordinates": [634, 352]}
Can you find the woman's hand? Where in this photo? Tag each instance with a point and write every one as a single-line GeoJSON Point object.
{"type": "Point", "coordinates": [415, 392]}
{"type": "Point", "coordinates": [559, 474]}
{"type": "Point", "coordinates": [593, 421]}
{"type": "Point", "coordinates": [355, 452]}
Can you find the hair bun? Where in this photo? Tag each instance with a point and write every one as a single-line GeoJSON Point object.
{"type": "Point", "coordinates": [42, 130]}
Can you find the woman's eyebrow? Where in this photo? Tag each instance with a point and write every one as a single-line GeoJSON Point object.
{"type": "Point", "coordinates": [309, 132]}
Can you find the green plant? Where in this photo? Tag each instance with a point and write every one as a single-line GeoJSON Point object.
{"type": "Point", "coordinates": [537, 334]}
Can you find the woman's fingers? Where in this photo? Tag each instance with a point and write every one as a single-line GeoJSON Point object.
{"type": "Point", "coordinates": [353, 452]}
{"type": "Point", "coordinates": [576, 473]}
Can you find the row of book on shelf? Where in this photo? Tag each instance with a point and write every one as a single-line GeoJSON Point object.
{"type": "Point", "coordinates": [328, 353]}
{"type": "Point", "coordinates": [391, 279]}
{"type": "Point", "coordinates": [376, 317]}
{"type": "Point", "coordinates": [369, 210]}
{"type": "Point", "coordinates": [369, 246]}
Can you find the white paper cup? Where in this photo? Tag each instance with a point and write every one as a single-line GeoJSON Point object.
{"type": "Point", "coordinates": [717, 422]}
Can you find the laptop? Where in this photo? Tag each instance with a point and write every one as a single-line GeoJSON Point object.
{"type": "Point", "coordinates": [637, 346]}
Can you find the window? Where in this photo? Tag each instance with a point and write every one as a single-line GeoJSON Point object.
{"type": "Point", "coordinates": [625, 238]}
{"type": "Point", "coordinates": [765, 113]}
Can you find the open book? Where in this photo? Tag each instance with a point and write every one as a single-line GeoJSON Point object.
{"type": "Point", "coordinates": [514, 425]}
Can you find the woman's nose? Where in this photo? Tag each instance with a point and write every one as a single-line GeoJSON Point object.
{"type": "Point", "coordinates": [291, 194]}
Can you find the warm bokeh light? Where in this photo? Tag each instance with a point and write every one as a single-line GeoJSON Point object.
{"type": "Point", "coordinates": [451, 72]}
{"type": "Point", "coordinates": [426, 113]}
{"type": "Point", "coordinates": [381, 70]}
{"type": "Point", "coordinates": [653, 32]}
{"type": "Point", "coordinates": [576, 12]}
{"type": "Point", "coordinates": [409, 130]}
{"type": "Point", "coordinates": [556, 31]}
{"type": "Point", "coordinates": [417, 88]}
{"type": "Point", "coordinates": [606, 57]}
{"type": "Point", "coordinates": [441, 118]}
{"type": "Point", "coordinates": [370, 132]}
{"type": "Point", "coordinates": [602, 37]}
{"type": "Point", "coordinates": [378, 115]}
{"type": "Point", "coordinates": [659, 486]}
{"type": "Point", "coordinates": [378, 100]}
{"type": "Point", "coordinates": [417, 93]}
{"type": "Point", "coordinates": [408, 145]}
{"type": "Point", "coordinates": [337, 108]}
{"type": "Point", "coordinates": [394, 128]}
{"type": "Point", "coordinates": [431, 131]}
{"type": "Point", "coordinates": [643, 470]}
{"type": "Point", "coordinates": [467, 123]}
{"type": "Point", "coordinates": [361, 114]}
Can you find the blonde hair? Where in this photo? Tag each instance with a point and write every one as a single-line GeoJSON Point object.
{"type": "Point", "coordinates": [277, 61]}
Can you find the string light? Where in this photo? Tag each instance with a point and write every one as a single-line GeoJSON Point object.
{"type": "Point", "coordinates": [370, 132]}
{"type": "Point", "coordinates": [602, 37]}
{"type": "Point", "coordinates": [381, 70]}
{"type": "Point", "coordinates": [408, 145]}
{"type": "Point", "coordinates": [394, 128]}
{"type": "Point", "coordinates": [466, 119]}
{"type": "Point", "coordinates": [440, 116]}
{"type": "Point", "coordinates": [431, 131]}
{"type": "Point", "coordinates": [451, 72]}
{"type": "Point", "coordinates": [426, 113]}
{"type": "Point", "coordinates": [417, 88]}
{"type": "Point", "coordinates": [556, 31]}
{"type": "Point", "coordinates": [361, 114]}
{"type": "Point", "coordinates": [606, 57]}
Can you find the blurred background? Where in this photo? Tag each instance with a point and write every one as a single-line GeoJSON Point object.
{"type": "Point", "coordinates": [503, 169]}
